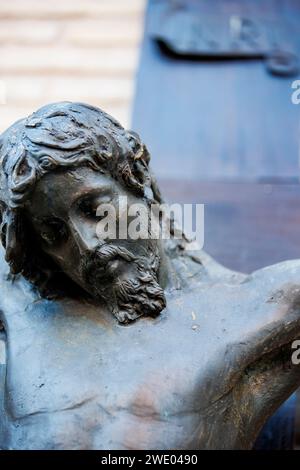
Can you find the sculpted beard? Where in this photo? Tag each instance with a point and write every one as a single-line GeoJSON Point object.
{"type": "Point", "coordinates": [137, 294]}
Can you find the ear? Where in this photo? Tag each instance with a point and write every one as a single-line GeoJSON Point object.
{"type": "Point", "coordinates": [22, 174]}
{"type": "Point", "coordinates": [12, 237]}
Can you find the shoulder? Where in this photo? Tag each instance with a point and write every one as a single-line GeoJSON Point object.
{"type": "Point", "coordinates": [278, 275]}
{"type": "Point", "coordinates": [286, 272]}
{"type": "Point", "coordinates": [277, 284]}
{"type": "Point", "coordinates": [213, 270]}
{"type": "Point", "coordinates": [280, 283]}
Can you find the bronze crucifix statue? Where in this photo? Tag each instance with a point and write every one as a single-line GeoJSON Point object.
{"type": "Point", "coordinates": [125, 344]}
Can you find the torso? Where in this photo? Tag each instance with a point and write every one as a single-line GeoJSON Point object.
{"type": "Point", "coordinates": [78, 380]}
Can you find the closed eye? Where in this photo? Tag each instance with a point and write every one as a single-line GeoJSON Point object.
{"type": "Point", "coordinates": [53, 231]}
{"type": "Point", "coordinates": [88, 207]}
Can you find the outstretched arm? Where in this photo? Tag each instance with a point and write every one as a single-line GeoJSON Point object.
{"type": "Point", "coordinates": [247, 335]}
{"type": "Point", "coordinates": [272, 374]}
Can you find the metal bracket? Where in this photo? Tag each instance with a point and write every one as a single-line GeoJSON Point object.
{"type": "Point", "coordinates": [186, 32]}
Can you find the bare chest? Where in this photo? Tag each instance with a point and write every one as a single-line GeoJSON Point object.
{"type": "Point", "coordinates": [85, 386]}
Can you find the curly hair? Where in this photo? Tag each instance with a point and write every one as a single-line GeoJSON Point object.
{"type": "Point", "coordinates": [60, 135]}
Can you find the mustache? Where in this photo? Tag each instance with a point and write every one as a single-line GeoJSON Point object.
{"type": "Point", "coordinates": [102, 256]}
{"type": "Point", "coordinates": [106, 253]}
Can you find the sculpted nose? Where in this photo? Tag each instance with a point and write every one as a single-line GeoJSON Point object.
{"type": "Point", "coordinates": [85, 238]}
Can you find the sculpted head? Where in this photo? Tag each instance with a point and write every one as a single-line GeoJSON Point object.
{"type": "Point", "coordinates": [57, 167]}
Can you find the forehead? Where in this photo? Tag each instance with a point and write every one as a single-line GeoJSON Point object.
{"type": "Point", "coordinates": [57, 191]}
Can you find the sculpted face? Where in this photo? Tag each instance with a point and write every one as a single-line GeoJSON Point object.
{"type": "Point", "coordinates": [56, 168]}
{"type": "Point", "coordinates": [124, 273]}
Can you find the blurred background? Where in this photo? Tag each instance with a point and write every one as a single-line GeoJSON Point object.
{"type": "Point", "coordinates": [208, 85]}
{"type": "Point", "coordinates": [83, 50]}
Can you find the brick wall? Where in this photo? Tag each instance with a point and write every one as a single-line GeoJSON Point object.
{"type": "Point", "coordinates": [84, 50]}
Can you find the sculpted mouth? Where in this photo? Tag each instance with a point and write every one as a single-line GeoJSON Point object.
{"type": "Point", "coordinates": [106, 261]}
